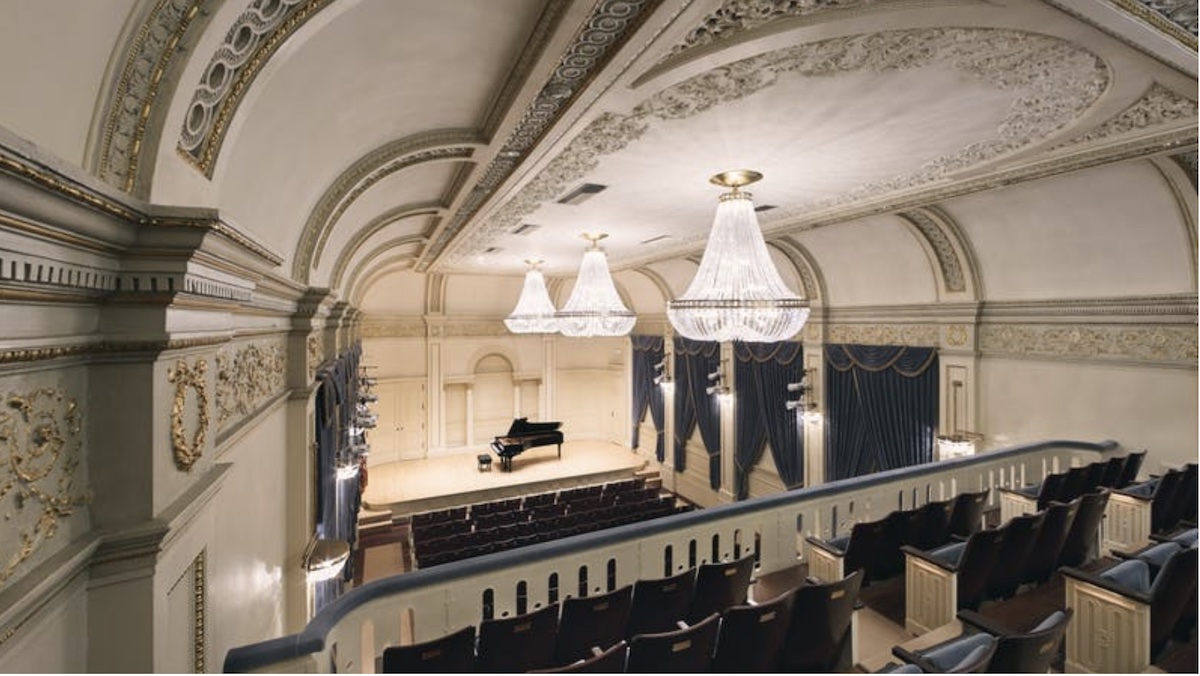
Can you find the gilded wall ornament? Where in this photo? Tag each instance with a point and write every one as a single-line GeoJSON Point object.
{"type": "Point", "coordinates": [40, 455]}
{"type": "Point", "coordinates": [956, 335]}
{"type": "Point", "coordinates": [186, 378]}
{"type": "Point", "coordinates": [245, 377]}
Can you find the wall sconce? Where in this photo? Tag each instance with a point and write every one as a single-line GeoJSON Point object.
{"type": "Point", "coordinates": [324, 559]}
{"type": "Point", "coordinates": [718, 386]}
{"type": "Point", "coordinates": [807, 403]}
{"type": "Point", "coordinates": [663, 378]}
{"type": "Point", "coordinates": [960, 443]}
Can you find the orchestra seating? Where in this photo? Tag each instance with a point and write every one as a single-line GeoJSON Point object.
{"type": "Point", "coordinates": [462, 532]}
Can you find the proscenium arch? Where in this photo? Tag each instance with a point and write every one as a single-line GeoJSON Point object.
{"type": "Point", "coordinates": [450, 145]}
{"type": "Point", "coordinates": [338, 271]}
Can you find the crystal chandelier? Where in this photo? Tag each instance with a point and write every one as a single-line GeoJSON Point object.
{"type": "Point", "coordinates": [737, 294]}
{"type": "Point", "coordinates": [594, 308]}
{"type": "Point", "coordinates": [535, 311]}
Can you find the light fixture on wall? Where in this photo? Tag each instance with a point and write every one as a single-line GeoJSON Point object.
{"type": "Point", "coordinates": [718, 387]}
{"type": "Point", "coordinates": [534, 312]}
{"type": "Point", "coordinates": [737, 294]}
{"type": "Point", "coordinates": [324, 559]}
{"type": "Point", "coordinates": [807, 403]}
{"type": "Point", "coordinates": [958, 443]}
{"type": "Point", "coordinates": [594, 308]}
{"type": "Point", "coordinates": [663, 377]}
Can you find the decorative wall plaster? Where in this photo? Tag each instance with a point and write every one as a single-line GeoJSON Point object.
{"type": "Point", "coordinates": [1180, 12]}
{"type": "Point", "coordinates": [943, 249]}
{"type": "Point", "coordinates": [145, 61]}
{"type": "Point", "coordinates": [245, 377]}
{"type": "Point", "coordinates": [186, 378]}
{"type": "Point", "coordinates": [1188, 162]}
{"type": "Point", "coordinates": [602, 35]}
{"type": "Point", "coordinates": [393, 329]}
{"type": "Point", "coordinates": [89, 349]}
{"type": "Point", "coordinates": [736, 16]}
{"type": "Point", "coordinates": [40, 455]}
{"type": "Point", "coordinates": [1158, 106]}
{"type": "Point", "coordinates": [316, 352]}
{"type": "Point", "coordinates": [249, 44]}
{"type": "Point", "coordinates": [1121, 342]}
{"type": "Point", "coordinates": [925, 335]}
{"type": "Point", "coordinates": [956, 335]}
{"type": "Point", "coordinates": [1054, 82]}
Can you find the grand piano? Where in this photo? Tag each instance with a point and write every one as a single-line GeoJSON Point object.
{"type": "Point", "coordinates": [523, 435]}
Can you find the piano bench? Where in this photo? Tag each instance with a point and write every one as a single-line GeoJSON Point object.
{"type": "Point", "coordinates": [485, 462]}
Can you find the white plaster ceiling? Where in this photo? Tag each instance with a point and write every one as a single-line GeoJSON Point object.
{"type": "Point", "coordinates": [480, 115]}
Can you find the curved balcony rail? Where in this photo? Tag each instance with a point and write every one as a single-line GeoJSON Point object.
{"type": "Point", "coordinates": [348, 634]}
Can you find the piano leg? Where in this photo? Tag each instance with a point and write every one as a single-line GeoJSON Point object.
{"type": "Point", "coordinates": [560, 451]}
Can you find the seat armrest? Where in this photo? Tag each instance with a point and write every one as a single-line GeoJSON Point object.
{"type": "Point", "coordinates": [1132, 496]}
{"type": "Point", "coordinates": [823, 545]}
{"type": "Point", "coordinates": [974, 620]}
{"type": "Point", "coordinates": [1106, 584]}
{"type": "Point", "coordinates": [917, 553]}
{"type": "Point", "coordinates": [912, 658]}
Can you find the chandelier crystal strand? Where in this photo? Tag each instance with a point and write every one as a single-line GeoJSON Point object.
{"type": "Point", "coordinates": [737, 294]}
{"type": "Point", "coordinates": [535, 312]}
{"type": "Point", "coordinates": [595, 308]}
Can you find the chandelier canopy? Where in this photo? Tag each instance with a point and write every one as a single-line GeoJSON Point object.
{"type": "Point", "coordinates": [594, 308]}
{"type": "Point", "coordinates": [737, 294]}
{"type": "Point", "coordinates": [535, 311]}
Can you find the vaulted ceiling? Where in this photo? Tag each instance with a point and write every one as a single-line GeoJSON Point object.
{"type": "Point", "coordinates": [913, 151]}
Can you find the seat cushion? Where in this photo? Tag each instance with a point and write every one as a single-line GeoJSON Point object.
{"type": "Point", "coordinates": [949, 554]}
{"type": "Point", "coordinates": [1157, 555]}
{"type": "Point", "coordinates": [1187, 538]}
{"type": "Point", "coordinates": [1133, 574]}
{"type": "Point", "coordinates": [900, 669]}
{"type": "Point", "coordinates": [839, 543]}
{"type": "Point", "coordinates": [1051, 620]}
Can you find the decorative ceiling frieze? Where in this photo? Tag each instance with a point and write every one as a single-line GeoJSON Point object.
{"type": "Point", "coordinates": [148, 55]}
{"type": "Point", "coordinates": [928, 224]}
{"type": "Point", "coordinates": [254, 37]}
{"type": "Point", "coordinates": [1053, 82]}
{"type": "Point", "coordinates": [734, 17]}
{"type": "Point", "coordinates": [1181, 13]}
{"type": "Point", "coordinates": [1157, 106]}
{"type": "Point", "coordinates": [1188, 162]}
{"type": "Point", "coordinates": [602, 34]}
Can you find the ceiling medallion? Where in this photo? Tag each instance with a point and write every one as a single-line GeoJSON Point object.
{"type": "Point", "coordinates": [737, 294]}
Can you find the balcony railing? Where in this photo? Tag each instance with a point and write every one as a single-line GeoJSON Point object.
{"type": "Point", "coordinates": [349, 633]}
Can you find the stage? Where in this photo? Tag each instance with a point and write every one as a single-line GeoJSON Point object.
{"type": "Point", "coordinates": [412, 486]}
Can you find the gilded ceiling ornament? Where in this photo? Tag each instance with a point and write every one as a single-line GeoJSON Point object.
{"type": "Point", "coordinates": [1052, 82]}
{"type": "Point", "coordinates": [186, 378]}
{"type": "Point", "coordinates": [40, 453]}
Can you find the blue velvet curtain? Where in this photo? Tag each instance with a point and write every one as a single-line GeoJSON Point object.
{"type": "Point", "coordinates": [647, 352]}
{"type": "Point", "coordinates": [694, 360]}
{"type": "Point", "coordinates": [761, 375]}
{"type": "Point", "coordinates": [882, 408]}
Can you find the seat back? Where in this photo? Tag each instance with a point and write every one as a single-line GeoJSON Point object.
{"type": "Point", "coordinates": [1081, 538]}
{"type": "Point", "coordinates": [1052, 490]}
{"type": "Point", "coordinates": [1129, 472]}
{"type": "Point", "coordinates": [453, 653]}
{"type": "Point", "coordinates": [819, 636]}
{"type": "Point", "coordinates": [1074, 484]}
{"type": "Point", "coordinates": [1164, 500]}
{"type": "Point", "coordinates": [751, 637]}
{"type": "Point", "coordinates": [1020, 535]}
{"type": "Point", "coordinates": [1172, 593]}
{"type": "Point", "coordinates": [518, 643]}
{"type": "Point", "coordinates": [659, 604]}
{"type": "Point", "coordinates": [975, 566]}
{"type": "Point", "coordinates": [1181, 497]}
{"type": "Point", "coordinates": [592, 621]}
{"type": "Point", "coordinates": [719, 586]}
{"type": "Point", "coordinates": [863, 546]}
{"type": "Point", "coordinates": [929, 525]}
{"type": "Point", "coordinates": [681, 651]}
{"type": "Point", "coordinates": [611, 661]}
{"type": "Point", "coordinates": [1032, 652]}
{"type": "Point", "coordinates": [1112, 471]}
{"type": "Point", "coordinates": [967, 515]}
{"type": "Point", "coordinates": [1043, 560]}
{"type": "Point", "coordinates": [889, 560]}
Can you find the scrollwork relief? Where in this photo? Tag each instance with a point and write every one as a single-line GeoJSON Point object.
{"type": "Point", "coordinates": [1159, 106]}
{"type": "Point", "coordinates": [40, 483]}
{"type": "Point", "coordinates": [925, 335]}
{"type": "Point", "coordinates": [1139, 343]}
{"type": "Point", "coordinates": [245, 377]}
{"type": "Point", "coordinates": [188, 378]}
{"type": "Point", "coordinates": [316, 348]}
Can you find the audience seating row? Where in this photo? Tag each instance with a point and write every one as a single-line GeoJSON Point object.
{"type": "Point", "coordinates": [994, 563]}
{"type": "Point", "coordinates": [986, 646]}
{"type": "Point", "coordinates": [875, 546]}
{"type": "Point", "coordinates": [696, 621]}
{"type": "Point", "coordinates": [1116, 472]}
{"type": "Point", "coordinates": [564, 496]}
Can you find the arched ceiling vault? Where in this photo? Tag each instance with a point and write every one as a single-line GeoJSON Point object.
{"type": "Point", "coordinates": [352, 137]}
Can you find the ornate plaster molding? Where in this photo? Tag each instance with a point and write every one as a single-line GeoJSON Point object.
{"type": "Point", "coordinates": [601, 35]}
{"type": "Point", "coordinates": [1160, 344]}
{"type": "Point", "coordinates": [1187, 162]}
{"type": "Point", "coordinates": [1157, 106]}
{"type": "Point", "coordinates": [41, 444]}
{"type": "Point", "coordinates": [254, 37]}
{"type": "Point", "coordinates": [414, 328]}
{"type": "Point", "coordinates": [1161, 13]}
{"type": "Point", "coordinates": [1053, 83]}
{"type": "Point", "coordinates": [185, 378]}
{"type": "Point", "coordinates": [953, 276]}
{"type": "Point", "coordinates": [925, 335]}
{"type": "Point", "coordinates": [147, 57]}
{"type": "Point", "coordinates": [314, 352]}
{"type": "Point", "coordinates": [149, 347]}
{"type": "Point", "coordinates": [735, 17]}
{"type": "Point", "coordinates": [247, 375]}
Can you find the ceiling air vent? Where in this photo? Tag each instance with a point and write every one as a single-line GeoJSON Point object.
{"type": "Point", "coordinates": [492, 249]}
{"type": "Point", "coordinates": [655, 239]}
{"type": "Point", "coordinates": [581, 194]}
{"type": "Point", "coordinates": [526, 229]}
{"type": "Point", "coordinates": [764, 207]}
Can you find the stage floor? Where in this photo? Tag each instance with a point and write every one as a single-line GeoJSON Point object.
{"type": "Point", "coordinates": [411, 486]}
